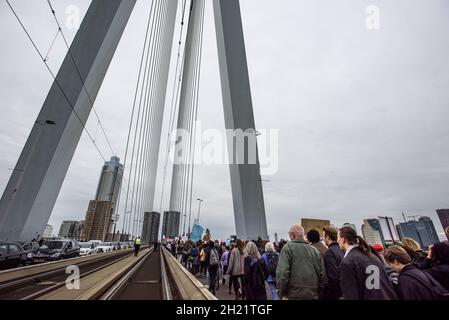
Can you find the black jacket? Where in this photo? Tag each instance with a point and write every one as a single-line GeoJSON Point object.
{"type": "Point", "coordinates": [255, 268]}
{"type": "Point", "coordinates": [413, 284]}
{"type": "Point", "coordinates": [440, 272]}
{"type": "Point", "coordinates": [332, 260]}
{"type": "Point", "coordinates": [364, 278]}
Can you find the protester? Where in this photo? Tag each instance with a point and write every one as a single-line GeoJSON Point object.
{"type": "Point", "coordinates": [255, 274]}
{"type": "Point", "coordinates": [414, 250]}
{"type": "Point", "coordinates": [224, 262]}
{"type": "Point", "coordinates": [231, 248]}
{"type": "Point", "coordinates": [413, 284]}
{"type": "Point", "coordinates": [203, 260]}
{"type": "Point", "coordinates": [300, 274]}
{"type": "Point", "coordinates": [314, 238]}
{"type": "Point", "coordinates": [271, 259]}
{"type": "Point", "coordinates": [377, 250]}
{"type": "Point", "coordinates": [437, 263]}
{"type": "Point", "coordinates": [332, 260]}
{"type": "Point", "coordinates": [195, 259]}
{"type": "Point", "coordinates": [236, 269]}
{"type": "Point", "coordinates": [362, 275]}
{"type": "Point", "coordinates": [213, 262]}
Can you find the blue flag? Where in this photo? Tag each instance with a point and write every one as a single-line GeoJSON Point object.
{"type": "Point", "coordinates": [197, 233]}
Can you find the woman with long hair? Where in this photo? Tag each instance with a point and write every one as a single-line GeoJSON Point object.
{"type": "Point", "coordinates": [236, 269]}
{"type": "Point", "coordinates": [256, 273]}
{"type": "Point", "coordinates": [362, 274]}
{"type": "Point", "coordinates": [437, 263]}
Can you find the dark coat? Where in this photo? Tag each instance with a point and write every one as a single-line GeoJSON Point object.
{"type": "Point", "coordinates": [413, 284]}
{"type": "Point", "coordinates": [332, 260]}
{"type": "Point", "coordinates": [253, 292]}
{"type": "Point", "coordinates": [358, 272]}
{"type": "Point", "coordinates": [440, 272]}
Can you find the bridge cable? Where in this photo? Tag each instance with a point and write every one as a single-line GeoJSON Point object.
{"type": "Point", "coordinates": [145, 57]}
{"type": "Point", "coordinates": [144, 114]}
{"type": "Point", "coordinates": [71, 105]}
{"type": "Point", "coordinates": [80, 76]}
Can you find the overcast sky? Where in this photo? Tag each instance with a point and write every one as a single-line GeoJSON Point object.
{"type": "Point", "coordinates": [362, 114]}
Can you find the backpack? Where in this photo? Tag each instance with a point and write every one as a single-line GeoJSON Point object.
{"type": "Point", "coordinates": [437, 290]}
{"type": "Point", "coordinates": [259, 274]}
{"type": "Point", "coordinates": [273, 260]}
{"type": "Point", "coordinates": [214, 259]}
{"type": "Point", "coordinates": [194, 252]}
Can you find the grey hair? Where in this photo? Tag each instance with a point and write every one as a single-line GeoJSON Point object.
{"type": "Point", "coordinates": [297, 230]}
{"type": "Point", "coordinates": [252, 251]}
{"type": "Point", "coordinates": [269, 247]}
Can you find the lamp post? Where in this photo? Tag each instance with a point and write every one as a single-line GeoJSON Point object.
{"type": "Point", "coordinates": [200, 201]}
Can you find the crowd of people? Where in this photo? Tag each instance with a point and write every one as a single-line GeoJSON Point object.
{"type": "Point", "coordinates": [330, 264]}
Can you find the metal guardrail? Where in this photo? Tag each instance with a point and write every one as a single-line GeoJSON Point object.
{"type": "Point", "coordinates": [166, 289]}
{"type": "Point", "coordinates": [188, 287]}
{"type": "Point", "coordinates": [41, 269]}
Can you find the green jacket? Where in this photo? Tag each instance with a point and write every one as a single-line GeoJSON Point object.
{"type": "Point", "coordinates": [300, 273]}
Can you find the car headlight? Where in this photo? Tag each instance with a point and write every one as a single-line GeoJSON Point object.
{"type": "Point", "coordinates": [29, 255]}
{"type": "Point", "coordinates": [56, 255]}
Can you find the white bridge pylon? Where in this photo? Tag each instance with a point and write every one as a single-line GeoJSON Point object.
{"type": "Point", "coordinates": [33, 188]}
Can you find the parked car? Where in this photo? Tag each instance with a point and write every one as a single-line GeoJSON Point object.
{"type": "Point", "coordinates": [105, 247]}
{"type": "Point", "coordinates": [124, 245]}
{"type": "Point", "coordinates": [96, 242]}
{"type": "Point", "coordinates": [56, 250]}
{"type": "Point", "coordinates": [88, 249]}
{"type": "Point", "coordinates": [30, 248]}
{"type": "Point", "coordinates": [12, 256]}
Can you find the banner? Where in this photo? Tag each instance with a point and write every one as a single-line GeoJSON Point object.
{"type": "Point", "coordinates": [197, 232]}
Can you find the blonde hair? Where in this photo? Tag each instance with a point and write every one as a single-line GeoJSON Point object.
{"type": "Point", "coordinates": [409, 242]}
{"type": "Point", "coordinates": [269, 247]}
{"type": "Point", "coordinates": [252, 251]}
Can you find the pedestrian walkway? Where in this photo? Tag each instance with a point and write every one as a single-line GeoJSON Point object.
{"type": "Point", "coordinates": [223, 291]}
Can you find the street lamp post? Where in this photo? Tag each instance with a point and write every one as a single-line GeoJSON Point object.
{"type": "Point", "coordinates": [200, 201]}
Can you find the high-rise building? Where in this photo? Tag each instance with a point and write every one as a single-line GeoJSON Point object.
{"type": "Point", "coordinates": [443, 215]}
{"type": "Point", "coordinates": [150, 231]}
{"type": "Point", "coordinates": [431, 231]}
{"type": "Point", "coordinates": [70, 229]}
{"type": "Point", "coordinates": [98, 220]}
{"type": "Point", "coordinates": [388, 230]}
{"type": "Point", "coordinates": [170, 224]}
{"type": "Point", "coordinates": [48, 232]}
{"type": "Point", "coordinates": [415, 230]}
{"type": "Point", "coordinates": [109, 186]}
{"type": "Point", "coordinates": [372, 232]}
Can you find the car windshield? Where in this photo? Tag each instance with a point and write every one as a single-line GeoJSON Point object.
{"type": "Point", "coordinates": [86, 245]}
{"type": "Point", "coordinates": [53, 245]}
{"type": "Point", "coordinates": [105, 244]}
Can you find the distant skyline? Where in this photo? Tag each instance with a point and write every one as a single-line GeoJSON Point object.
{"type": "Point", "coordinates": [362, 114]}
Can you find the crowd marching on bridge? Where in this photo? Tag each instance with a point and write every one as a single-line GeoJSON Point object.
{"type": "Point", "coordinates": [342, 267]}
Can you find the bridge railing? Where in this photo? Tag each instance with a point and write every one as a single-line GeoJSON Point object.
{"type": "Point", "coordinates": [187, 286]}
